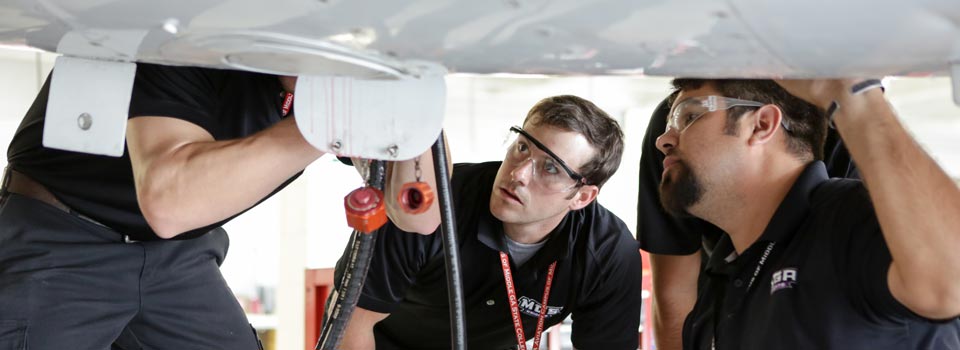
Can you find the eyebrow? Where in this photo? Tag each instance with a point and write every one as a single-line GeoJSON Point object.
{"type": "Point", "coordinates": [566, 168]}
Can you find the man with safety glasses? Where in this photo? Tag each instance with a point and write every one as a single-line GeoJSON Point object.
{"type": "Point", "coordinates": [809, 262]}
{"type": "Point", "coordinates": [530, 231]}
{"type": "Point", "coordinates": [678, 247]}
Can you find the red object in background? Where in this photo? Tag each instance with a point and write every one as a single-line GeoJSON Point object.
{"type": "Point", "coordinates": [646, 337]}
{"type": "Point", "coordinates": [319, 284]}
{"type": "Point", "coordinates": [365, 209]}
{"type": "Point", "coordinates": [286, 105]}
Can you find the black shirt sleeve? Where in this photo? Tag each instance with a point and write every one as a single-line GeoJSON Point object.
{"type": "Point", "coordinates": [837, 158]}
{"type": "Point", "coordinates": [186, 93]}
{"type": "Point", "coordinates": [397, 258]}
{"type": "Point", "coordinates": [862, 256]}
{"type": "Point", "coordinates": [657, 231]}
{"type": "Point", "coordinates": [609, 316]}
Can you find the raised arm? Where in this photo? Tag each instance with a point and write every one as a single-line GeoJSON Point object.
{"type": "Point", "coordinates": [185, 180]}
{"type": "Point", "coordinates": [916, 202]}
{"type": "Point", "coordinates": [674, 295]}
{"type": "Point", "coordinates": [359, 332]}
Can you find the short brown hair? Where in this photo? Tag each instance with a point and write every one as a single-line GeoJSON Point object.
{"type": "Point", "coordinates": [576, 114]}
{"type": "Point", "coordinates": [808, 126]}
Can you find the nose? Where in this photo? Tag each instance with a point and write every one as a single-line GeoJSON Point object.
{"type": "Point", "coordinates": [523, 172]}
{"type": "Point", "coordinates": [667, 141]}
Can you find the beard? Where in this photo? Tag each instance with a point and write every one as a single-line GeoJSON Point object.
{"type": "Point", "coordinates": [679, 193]}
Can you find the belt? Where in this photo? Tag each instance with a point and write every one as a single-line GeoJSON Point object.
{"type": "Point", "coordinates": [19, 183]}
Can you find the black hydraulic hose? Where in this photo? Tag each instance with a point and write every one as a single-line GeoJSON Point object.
{"type": "Point", "coordinates": [358, 258]}
{"type": "Point", "coordinates": [451, 248]}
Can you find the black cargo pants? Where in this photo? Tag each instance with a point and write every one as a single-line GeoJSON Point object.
{"type": "Point", "coordinates": [68, 283]}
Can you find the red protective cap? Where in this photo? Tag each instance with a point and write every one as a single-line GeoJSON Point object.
{"type": "Point", "coordinates": [365, 210]}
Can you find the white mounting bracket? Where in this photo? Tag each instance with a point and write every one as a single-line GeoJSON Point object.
{"type": "Point", "coordinates": [374, 119]}
{"type": "Point", "coordinates": [88, 105]}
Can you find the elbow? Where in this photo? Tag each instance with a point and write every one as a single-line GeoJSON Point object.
{"type": "Point", "coordinates": [161, 217]}
{"type": "Point", "coordinates": [424, 224]}
{"type": "Point", "coordinates": [932, 297]}
{"type": "Point", "coordinates": [165, 232]}
{"type": "Point", "coordinates": [423, 227]}
{"type": "Point", "coordinates": [934, 305]}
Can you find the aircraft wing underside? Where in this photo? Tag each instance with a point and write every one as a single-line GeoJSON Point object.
{"type": "Point", "coordinates": [387, 39]}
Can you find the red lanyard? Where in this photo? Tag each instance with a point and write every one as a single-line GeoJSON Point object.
{"type": "Point", "coordinates": [515, 308]}
{"type": "Point", "coordinates": [287, 104]}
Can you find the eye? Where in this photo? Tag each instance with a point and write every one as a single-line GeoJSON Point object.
{"type": "Point", "coordinates": [549, 167]}
{"type": "Point", "coordinates": [522, 147]}
{"type": "Point", "coordinates": [686, 118]}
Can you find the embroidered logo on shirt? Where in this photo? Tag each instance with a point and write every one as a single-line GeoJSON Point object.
{"type": "Point", "coordinates": [783, 279]}
{"type": "Point", "coordinates": [531, 307]}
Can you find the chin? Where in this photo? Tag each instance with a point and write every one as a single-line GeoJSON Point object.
{"type": "Point", "coordinates": [680, 193]}
{"type": "Point", "coordinates": [498, 211]}
{"type": "Point", "coordinates": [506, 214]}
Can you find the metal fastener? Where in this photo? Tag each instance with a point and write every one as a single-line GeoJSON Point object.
{"type": "Point", "coordinates": [84, 121]}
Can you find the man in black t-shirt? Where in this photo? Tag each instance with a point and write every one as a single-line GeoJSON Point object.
{"type": "Point", "coordinates": [808, 262]}
{"type": "Point", "coordinates": [82, 255]}
{"type": "Point", "coordinates": [531, 220]}
{"type": "Point", "coordinates": [676, 245]}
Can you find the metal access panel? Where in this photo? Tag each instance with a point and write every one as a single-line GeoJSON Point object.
{"type": "Point", "coordinates": [374, 119]}
{"type": "Point", "coordinates": [88, 106]}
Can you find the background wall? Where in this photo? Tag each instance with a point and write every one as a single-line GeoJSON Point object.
{"type": "Point", "coordinates": [304, 227]}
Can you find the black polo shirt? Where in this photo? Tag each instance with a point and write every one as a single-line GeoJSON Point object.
{"type": "Point", "coordinates": [661, 233]}
{"type": "Point", "coordinates": [228, 104]}
{"type": "Point", "coordinates": [597, 277]}
{"type": "Point", "coordinates": [815, 279]}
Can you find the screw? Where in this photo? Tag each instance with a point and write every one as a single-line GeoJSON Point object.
{"type": "Point", "coordinates": [84, 121]}
{"type": "Point", "coordinates": [393, 150]}
{"type": "Point", "coordinates": [335, 145]}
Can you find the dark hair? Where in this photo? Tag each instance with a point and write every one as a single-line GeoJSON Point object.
{"type": "Point", "coordinates": [573, 113]}
{"type": "Point", "coordinates": [808, 126]}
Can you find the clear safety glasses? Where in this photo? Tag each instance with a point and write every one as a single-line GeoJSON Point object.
{"type": "Point", "coordinates": [688, 111]}
{"type": "Point", "coordinates": [550, 173]}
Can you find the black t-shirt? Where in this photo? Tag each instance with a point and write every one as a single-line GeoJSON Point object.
{"type": "Point", "coordinates": [597, 277]}
{"type": "Point", "coordinates": [661, 233]}
{"type": "Point", "coordinates": [228, 104]}
{"type": "Point", "coordinates": [815, 279]}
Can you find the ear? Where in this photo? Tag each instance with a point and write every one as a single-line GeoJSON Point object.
{"type": "Point", "coordinates": [585, 194]}
{"type": "Point", "coordinates": [766, 125]}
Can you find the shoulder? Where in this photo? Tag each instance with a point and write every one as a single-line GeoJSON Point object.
{"type": "Point", "coordinates": [839, 191]}
{"type": "Point", "coordinates": [158, 75]}
{"type": "Point", "coordinates": [473, 175]}
{"type": "Point", "coordinates": [155, 78]}
{"type": "Point", "coordinates": [841, 200]}
{"type": "Point", "coordinates": [475, 170]}
{"type": "Point", "coordinates": [609, 240]}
